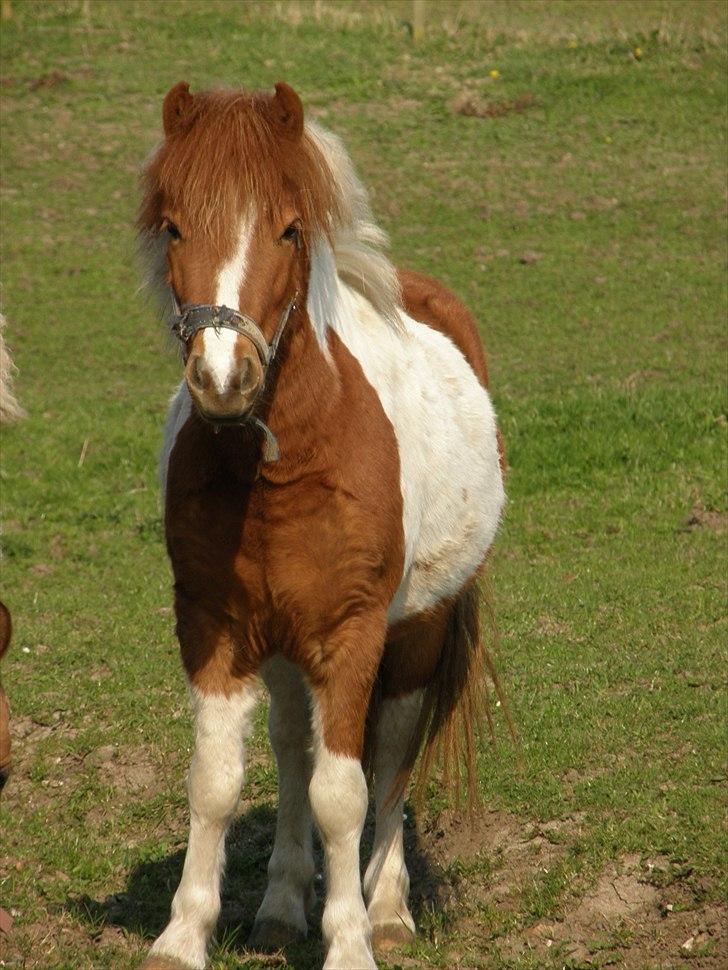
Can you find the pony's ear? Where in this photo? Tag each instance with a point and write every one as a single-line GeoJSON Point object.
{"type": "Point", "coordinates": [177, 108]}
{"type": "Point", "coordinates": [288, 111]}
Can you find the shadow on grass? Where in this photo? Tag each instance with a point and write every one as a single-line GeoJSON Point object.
{"type": "Point", "coordinates": [143, 907]}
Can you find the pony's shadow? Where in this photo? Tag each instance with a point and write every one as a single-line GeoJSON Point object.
{"type": "Point", "coordinates": [142, 909]}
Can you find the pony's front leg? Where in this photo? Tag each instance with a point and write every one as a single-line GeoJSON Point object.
{"type": "Point", "coordinates": [290, 895]}
{"type": "Point", "coordinates": [338, 789]}
{"type": "Point", "coordinates": [222, 723]}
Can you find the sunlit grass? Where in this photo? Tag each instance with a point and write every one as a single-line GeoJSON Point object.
{"type": "Point", "coordinates": [586, 233]}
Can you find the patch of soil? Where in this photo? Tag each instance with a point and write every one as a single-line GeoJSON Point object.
{"type": "Point", "coordinates": [125, 767]}
{"type": "Point", "coordinates": [639, 377]}
{"type": "Point", "coordinates": [469, 104]}
{"type": "Point", "coordinates": [706, 518]}
{"type": "Point", "coordinates": [548, 626]}
{"type": "Point", "coordinates": [26, 731]}
{"type": "Point", "coordinates": [624, 920]}
{"type": "Point", "coordinates": [50, 80]}
{"type": "Point", "coordinates": [493, 858]}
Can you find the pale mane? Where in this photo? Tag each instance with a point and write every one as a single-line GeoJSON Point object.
{"type": "Point", "coordinates": [355, 250]}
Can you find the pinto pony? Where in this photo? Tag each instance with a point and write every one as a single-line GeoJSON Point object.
{"type": "Point", "coordinates": [332, 481]}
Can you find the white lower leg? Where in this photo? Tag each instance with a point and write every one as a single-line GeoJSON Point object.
{"type": "Point", "coordinates": [214, 782]}
{"type": "Point", "coordinates": [338, 793]}
{"type": "Point", "coordinates": [291, 867]}
{"type": "Point", "coordinates": [386, 883]}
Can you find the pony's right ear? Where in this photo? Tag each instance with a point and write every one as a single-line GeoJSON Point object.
{"type": "Point", "coordinates": [288, 110]}
{"type": "Point", "coordinates": [177, 108]}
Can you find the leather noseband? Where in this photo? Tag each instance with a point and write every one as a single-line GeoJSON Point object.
{"type": "Point", "coordinates": [188, 320]}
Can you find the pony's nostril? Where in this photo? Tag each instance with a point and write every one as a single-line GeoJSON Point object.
{"type": "Point", "coordinates": [196, 374]}
{"type": "Point", "coordinates": [246, 378]}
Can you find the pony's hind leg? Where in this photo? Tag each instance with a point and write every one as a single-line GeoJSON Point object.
{"type": "Point", "coordinates": [409, 664]}
{"type": "Point", "coordinates": [222, 722]}
{"type": "Point", "coordinates": [386, 883]}
{"type": "Point", "coordinates": [290, 895]}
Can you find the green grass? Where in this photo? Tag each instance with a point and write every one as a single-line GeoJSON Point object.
{"type": "Point", "coordinates": [608, 365]}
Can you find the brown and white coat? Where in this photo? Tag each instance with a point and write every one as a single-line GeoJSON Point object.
{"type": "Point", "coordinates": [339, 574]}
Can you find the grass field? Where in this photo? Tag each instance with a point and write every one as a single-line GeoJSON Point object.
{"type": "Point", "coordinates": [579, 210]}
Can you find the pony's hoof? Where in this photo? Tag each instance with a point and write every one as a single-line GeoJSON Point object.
{"type": "Point", "coordinates": [272, 934]}
{"type": "Point", "coordinates": [154, 962]}
{"type": "Point", "coordinates": [386, 936]}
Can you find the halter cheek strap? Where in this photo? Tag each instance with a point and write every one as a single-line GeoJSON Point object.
{"type": "Point", "coordinates": [189, 319]}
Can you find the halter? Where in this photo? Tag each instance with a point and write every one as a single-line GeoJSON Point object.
{"type": "Point", "coordinates": [189, 319]}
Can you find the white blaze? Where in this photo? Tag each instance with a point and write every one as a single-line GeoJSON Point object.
{"type": "Point", "coordinates": [218, 348]}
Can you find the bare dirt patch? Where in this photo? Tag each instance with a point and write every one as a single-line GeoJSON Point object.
{"type": "Point", "coordinates": [625, 920]}
{"type": "Point", "coordinates": [124, 767]}
{"type": "Point", "coordinates": [461, 870]}
{"type": "Point", "coordinates": [710, 519]}
{"type": "Point", "coordinates": [472, 105]}
{"type": "Point", "coordinates": [640, 912]}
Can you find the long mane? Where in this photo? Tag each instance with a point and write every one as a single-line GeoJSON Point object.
{"type": "Point", "coordinates": [357, 245]}
{"type": "Point", "coordinates": [232, 156]}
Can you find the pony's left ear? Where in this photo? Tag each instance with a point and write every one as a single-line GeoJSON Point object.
{"type": "Point", "coordinates": [288, 110]}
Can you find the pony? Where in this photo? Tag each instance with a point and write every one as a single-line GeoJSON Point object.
{"type": "Point", "coordinates": [10, 409]}
{"type": "Point", "coordinates": [6, 628]}
{"type": "Point", "coordinates": [332, 481]}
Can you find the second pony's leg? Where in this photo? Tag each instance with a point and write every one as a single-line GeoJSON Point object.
{"type": "Point", "coordinates": [386, 883]}
{"type": "Point", "coordinates": [222, 722]}
{"type": "Point", "coordinates": [290, 894]}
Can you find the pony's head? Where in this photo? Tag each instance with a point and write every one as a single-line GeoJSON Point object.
{"type": "Point", "coordinates": [248, 212]}
{"type": "Point", "coordinates": [233, 199]}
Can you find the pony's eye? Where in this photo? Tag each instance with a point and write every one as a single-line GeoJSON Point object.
{"type": "Point", "coordinates": [172, 229]}
{"type": "Point", "coordinates": [290, 233]}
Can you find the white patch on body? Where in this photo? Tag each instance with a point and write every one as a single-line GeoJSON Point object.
{"type": "Point", "coordinates": [216, 775]}
{"type": "Point", "coordinates": [218, 355]}
{"type": "Point", "coordinates": [444, 422]}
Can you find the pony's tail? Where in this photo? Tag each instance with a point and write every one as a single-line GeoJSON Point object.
{"type": "Point", "coordinates": [456, 705]}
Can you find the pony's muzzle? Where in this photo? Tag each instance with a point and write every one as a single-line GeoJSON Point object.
{"type": "Point", "coordinates": [224, 374]}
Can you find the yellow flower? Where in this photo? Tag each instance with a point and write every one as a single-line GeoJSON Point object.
{"type": "Point", "coordinates": [637, 53]}
{"type": "Point", "coordinates": [494, 74]}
